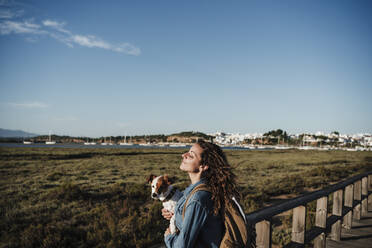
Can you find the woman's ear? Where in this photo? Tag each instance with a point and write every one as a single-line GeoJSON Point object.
{"type": "Point", "coordinates": [204, 167]}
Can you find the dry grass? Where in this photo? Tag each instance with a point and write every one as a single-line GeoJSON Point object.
{"type": "Point", "coordinates": [63, 197]}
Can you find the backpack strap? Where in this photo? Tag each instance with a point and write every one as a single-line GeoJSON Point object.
{"type": "Point", "coordinates": [202, 187]}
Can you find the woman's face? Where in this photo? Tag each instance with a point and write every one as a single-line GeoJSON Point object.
{"type": "Point", "coordinates": [191, 159]}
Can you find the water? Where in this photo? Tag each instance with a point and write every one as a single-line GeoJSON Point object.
{"type": "Point", "coordinates": [74, 145]}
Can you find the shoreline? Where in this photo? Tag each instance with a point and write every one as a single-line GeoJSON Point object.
{"type": "Point", "coordinates": [176, 146]}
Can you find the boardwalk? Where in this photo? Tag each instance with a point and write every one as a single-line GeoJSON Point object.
{"type": "Point", "coordinates": [351, 197]}
{"type": "Point", "coordinates": [359, 236]}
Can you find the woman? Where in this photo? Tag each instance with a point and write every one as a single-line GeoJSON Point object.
{"type": "Point", "coordinates": [202, 225]}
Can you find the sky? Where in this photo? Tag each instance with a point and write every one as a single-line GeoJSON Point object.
{"type": "Point", "coordinates": [99, 68]}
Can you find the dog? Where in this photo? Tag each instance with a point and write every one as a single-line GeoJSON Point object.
{"type": "Point", "coordinates": [163, 190]}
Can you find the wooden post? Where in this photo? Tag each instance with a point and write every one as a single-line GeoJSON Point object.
{"type": "Point", "coordinates": [299, 224]}
{"type": "Point", "coordinates": [370, 189]}
{"type": "Point", "coordinates": [337, 210]}
{"type": "Point", "coordinates": [357, 196]}
{"type": "Point", "coordinates": [321, 212]}
{"type": "Point", "coordinates": [364, 193]}
{"type": "Point", "coordinates": [347, 223]}
{"type": "Point", "coordinates": [321, 221]}
{"type": "Point", "coordinates": [263, 230]}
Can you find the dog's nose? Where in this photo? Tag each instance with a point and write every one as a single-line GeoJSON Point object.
{"type": "Point", "coordinates": [154, 194]}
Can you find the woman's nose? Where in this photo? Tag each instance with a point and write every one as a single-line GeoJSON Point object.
{"type": "Point", "coordinates": [184, 155]}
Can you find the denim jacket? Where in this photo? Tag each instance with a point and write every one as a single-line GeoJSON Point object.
{"type": "Point", "coordinates": [199, 228]}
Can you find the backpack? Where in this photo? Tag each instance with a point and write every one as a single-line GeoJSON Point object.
{"type": "Point", "coordinates": [238, 233]}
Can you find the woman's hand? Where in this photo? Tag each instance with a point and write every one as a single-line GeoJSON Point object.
{"type": "Point", "coordinates": [167, 232]}
{"type": "Point", "coordinates": [166, 214]}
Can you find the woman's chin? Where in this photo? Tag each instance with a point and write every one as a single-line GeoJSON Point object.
{"type": "Point", "coordinates": [183, 167]}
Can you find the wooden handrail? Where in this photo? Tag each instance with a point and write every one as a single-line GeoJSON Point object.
{"type": "Point", "coordinates": [350, 199]}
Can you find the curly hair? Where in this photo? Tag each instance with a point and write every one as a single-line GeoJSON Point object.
{"type": "Point", "coordinates": [219, 176]}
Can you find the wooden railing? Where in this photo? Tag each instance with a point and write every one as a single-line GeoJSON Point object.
{"type": "Point", "coordinates": [350, 200]}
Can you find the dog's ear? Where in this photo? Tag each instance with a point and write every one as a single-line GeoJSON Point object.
{"type": "Point", "coordinates": [169, 180]}
{"type": "Point", "coordinates": [150, 178]}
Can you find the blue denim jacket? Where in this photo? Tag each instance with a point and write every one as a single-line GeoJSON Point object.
{"type": "Point", "coordinates": [199, 228]}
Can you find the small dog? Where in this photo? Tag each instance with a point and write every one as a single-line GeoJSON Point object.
{"type": "Point", "coordinates": [162, 189]}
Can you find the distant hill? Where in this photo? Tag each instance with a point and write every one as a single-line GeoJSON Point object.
{"type": "Point", "coordinates": [191, 134]}
{"type": "Point", "coordinates": [6, 133]}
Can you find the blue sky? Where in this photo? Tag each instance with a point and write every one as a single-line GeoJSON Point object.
{"type": "Point", "coordinates": [99, 68]}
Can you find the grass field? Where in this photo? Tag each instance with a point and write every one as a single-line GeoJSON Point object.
{"type": "Point", "coordinates": [63, 197]}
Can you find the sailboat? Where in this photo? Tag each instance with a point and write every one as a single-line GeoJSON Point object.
{"type": "Point", "coordinates": [87, 143]}
{"type": "Point", "coordinates": [50, 142]}
{"type": "Point", "coordinates": [110, 143]}
{"type": "Point", "coordinates": [93, 143]}
{"type": "Point", "coordinates": [125, 142]}
{"type": "Point", "coordinates": [104, 143]}
{"type": "Point", "coordinates": [147, 143]}
{"type": "Point", "coordinates": [27, 142]}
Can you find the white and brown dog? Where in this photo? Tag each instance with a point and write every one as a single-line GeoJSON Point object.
{"type": "Point", "coordinates": [163, 190]}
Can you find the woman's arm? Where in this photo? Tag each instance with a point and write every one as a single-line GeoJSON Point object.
{"type": "Point", "coordinates": [195, 217]}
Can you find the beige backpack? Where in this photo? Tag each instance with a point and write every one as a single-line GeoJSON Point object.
{"type": "Point", "coordinates": [236, 229]}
